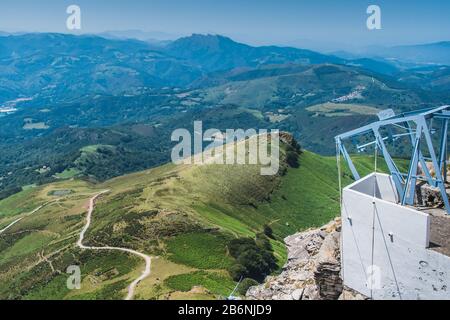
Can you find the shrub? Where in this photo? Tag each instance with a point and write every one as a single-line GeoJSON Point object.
{"type": "Point", "coordinates": [263, 241]}
{"type": "Point", "coordinates": [296, 146]}
{"type": "Point", "coordinates": [237, 246]}
{"type": "Point", "coordinates": [245, 285]}
{"type": "Point", "coordinates": [7, 193]}
{"type": "Point", "coordinates": [268, 231]}
{"type": "Point", "coordinates": [257, 267]}
{"type": "Point", "coordinates": [257, 261]}
{"type": "Point", "coordinates": [292, 159]}
{"type": "Point", "coordinates": [237, 271]}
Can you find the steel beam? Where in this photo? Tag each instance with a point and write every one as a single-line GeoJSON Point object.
{"type": "Point", "coordinates": [439, 178]}
{"type": "Point", "coordinates": [347, 158]}
{"type": "Point", "coordinates": [406, 188]}
{"type": "Point", "coordinates": [443, 149]}
{"type": "Point", "coordinates": [423, 163]}
{"type": "Point", "coordinates": [392, 121]}
{"type": "Point", "coordinates": [411, 180]}
{"type": "Point", "coordinates": [395, 173]}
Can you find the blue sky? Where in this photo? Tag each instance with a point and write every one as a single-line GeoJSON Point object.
{"type": "Point", "coordinates": [333, 23]}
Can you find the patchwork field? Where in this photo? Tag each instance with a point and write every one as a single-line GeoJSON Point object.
{"type": "Point", "coordinates": [330, 109]}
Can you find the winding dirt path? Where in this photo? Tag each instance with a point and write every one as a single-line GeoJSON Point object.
{"type": "Point", "coordinates": [148, 259]}
{"type": "Point", "coordinates": [27, 215]}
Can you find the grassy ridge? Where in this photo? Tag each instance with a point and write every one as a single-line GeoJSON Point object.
{"type": "Point", "coordinates": [216, 203]}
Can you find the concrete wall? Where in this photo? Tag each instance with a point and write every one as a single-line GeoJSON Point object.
{"type": "Point", "coordinates": [384, 187]}
{"type": "Point", "coordinates": [404, 265]}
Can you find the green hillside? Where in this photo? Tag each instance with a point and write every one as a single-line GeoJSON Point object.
{"type": "Point", "coordinates": [188, 218]}
{"type": "Point", "coordinates": [316, 102]}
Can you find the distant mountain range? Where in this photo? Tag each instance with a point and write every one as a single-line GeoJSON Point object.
{"type": "Point", "coordinates": [423, 54]}
{"type": "Point", "coordinates": [154, 38]}
{"type": "Point", "coordinates": [73, 66]}
{"type": "Point", "coordinates": [434, 53]}
{"type": "Point", "coordinates": [61, 93]}
{"type": "Point", "coordinates": [216, 53]}
{"type": "Point", "coordinates": [56, 65]}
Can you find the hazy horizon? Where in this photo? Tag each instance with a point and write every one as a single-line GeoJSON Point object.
{"type": "Point", "coordinates": [320, 25]}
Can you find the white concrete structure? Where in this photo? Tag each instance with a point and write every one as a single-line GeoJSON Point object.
{"type": "Point", "coordinates": [385, 246]}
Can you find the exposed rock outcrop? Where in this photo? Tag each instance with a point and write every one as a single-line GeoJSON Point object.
{"type": "Point", "coordinates": [428, 196]}
{"type": "Point", "coordinates": [328, 268]}
{"type": "Point", "coordinates": [312, 271]}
